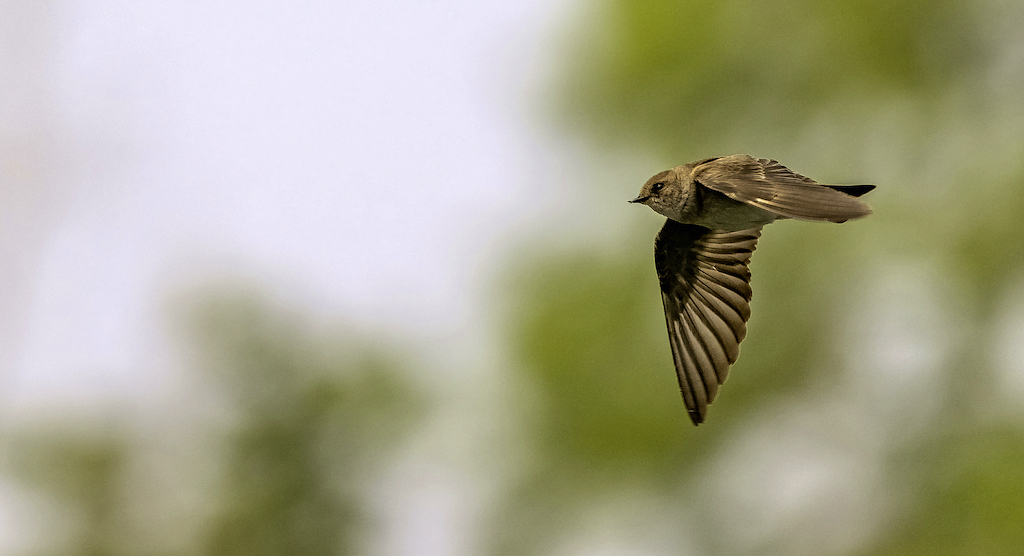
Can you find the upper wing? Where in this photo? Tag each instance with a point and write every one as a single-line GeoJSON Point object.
{"type": "Point", "coordinates": [705, 288]}
{"type": "Point", "coordinates": [769, 185]}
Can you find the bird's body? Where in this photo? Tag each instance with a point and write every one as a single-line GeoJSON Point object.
{"type": "Point", "coordinates": [716, 211]}
{"type": "Point", "coordinates": [716, 208]}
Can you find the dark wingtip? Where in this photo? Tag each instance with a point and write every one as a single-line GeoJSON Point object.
{"type": "Point", "coordinates": [696, 417]}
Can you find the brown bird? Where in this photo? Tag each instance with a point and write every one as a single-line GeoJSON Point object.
{"type": "Point", "coordinates": [716, 208]}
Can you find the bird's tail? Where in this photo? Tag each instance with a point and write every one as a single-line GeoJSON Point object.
{"type": "Point", "coordinates": [855, 190]}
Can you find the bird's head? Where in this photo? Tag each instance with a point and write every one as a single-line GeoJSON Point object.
{"type": "Point", "coordinates": [666, 193]}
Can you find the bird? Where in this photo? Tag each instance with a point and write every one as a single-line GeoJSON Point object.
{"type": "Point", "coordinates": [715, 209]}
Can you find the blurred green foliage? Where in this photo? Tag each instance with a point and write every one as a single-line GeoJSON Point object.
{"type": "Point", "coordinates": [309, 421]}
{"type": "Point", "coordinates": [310, 416]}
{"type": "Point", "coordinates": [824, 80]}
{"type": "Point", "coordinates": [676, 74]}
{"type": "Point", "coordinates": [971, 496]}
{"type": "Point", "coordinates": [613, 417]}
{"type": "Point", "coordinates": [82, 471]}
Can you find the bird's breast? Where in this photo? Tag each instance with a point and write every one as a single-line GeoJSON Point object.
{"type": "Point", "coordinates": [720, 212]}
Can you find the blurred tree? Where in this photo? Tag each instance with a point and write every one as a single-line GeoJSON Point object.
{"type": "Point", "coordinates": [971, 496]}
{"type": "Point", "coordinates": [312, 417]}
{"type": "Point", "coordinates": [83, 472]}
{"type": "Point", "coordinates": [873, 90]}
{"type": "Point", "coordinates": [682, 76]}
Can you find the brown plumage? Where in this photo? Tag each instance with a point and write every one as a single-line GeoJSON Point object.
{"type": "Point", "coordinates": [716, 208]}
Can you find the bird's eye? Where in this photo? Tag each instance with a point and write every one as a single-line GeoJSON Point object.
{"type": "Point", "coordinates": [657, 187]}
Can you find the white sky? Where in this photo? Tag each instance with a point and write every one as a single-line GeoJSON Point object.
{"type": "Point", "coordinates": [361, 157]}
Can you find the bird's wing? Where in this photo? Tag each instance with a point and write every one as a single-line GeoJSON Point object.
{"type": "Point", "coordinates": [769, 185]}
{"type": "Point", "coordinates": [705, 288]}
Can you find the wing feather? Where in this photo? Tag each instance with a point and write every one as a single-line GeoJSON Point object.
{"type": "Point", "coordinates": [705, 365]}
{"type": "Point", "coordinates": [769, 185]}
{"type": "Point", "coordinates": [705, 287]}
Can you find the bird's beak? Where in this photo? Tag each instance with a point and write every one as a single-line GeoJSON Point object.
{"type": "Point", "coordinates": [640, 199]}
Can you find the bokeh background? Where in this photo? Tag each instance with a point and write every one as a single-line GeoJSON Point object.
{"type": "Point", "coordinates": [360, 278]}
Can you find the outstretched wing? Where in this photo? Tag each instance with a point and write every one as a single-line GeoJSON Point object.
{"type": "Point", "coordinates": [769, 185]}
{"type": "Point", "coordinates": [705, 288]}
